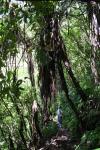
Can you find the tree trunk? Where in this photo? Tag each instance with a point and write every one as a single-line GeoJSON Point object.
{"type": "Point", "coordinates": [65, 88]}
{"type": "Point", "coordinates": [21, 129]}
{"type": "Point", "coordinates": [37, 124]}
{"type": "Point", "coordinates": [93, 9]}
{"type": "Point", "coordinates": [57, 44]}
{"type": "Point", "coordinates": [35, 120]}
{"type": "Point", "coordinates": [67, 64]}
{"type": "Point", "coordinates": [30, 68]}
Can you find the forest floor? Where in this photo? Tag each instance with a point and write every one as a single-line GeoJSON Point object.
{"type": "Point", "coordinates": [62, 141]}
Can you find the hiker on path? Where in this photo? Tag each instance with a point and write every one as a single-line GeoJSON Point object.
{"type": "Point", "coordinates": [59, 117]}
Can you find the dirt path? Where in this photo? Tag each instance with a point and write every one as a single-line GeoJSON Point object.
{"type": "Point", "coordinates": [62, 141]}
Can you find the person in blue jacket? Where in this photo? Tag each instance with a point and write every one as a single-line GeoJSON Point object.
{"type": "Point", "coordinates": [59, 117]}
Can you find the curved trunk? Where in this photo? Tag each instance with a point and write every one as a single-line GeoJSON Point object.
{"type": "Point", "coordinates": [65, 88]}
{"type": "Point", "coordinates": [64, 58]}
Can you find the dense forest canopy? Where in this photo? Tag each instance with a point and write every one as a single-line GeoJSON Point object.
{"type": "Point", "coordinates": [49, 57]}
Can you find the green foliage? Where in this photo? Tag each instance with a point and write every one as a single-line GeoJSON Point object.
{"type": "Point", "coordinates": [90, 140]}
{"type": "Point", "coordinates": [44, 7]}
{"type": "Point", "coordinates": [50, 130]}
{"type": "Point", "coordinates": [20, 28]}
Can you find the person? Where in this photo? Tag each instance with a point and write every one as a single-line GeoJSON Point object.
{"type": "Point", "coordinates": [59, 117]}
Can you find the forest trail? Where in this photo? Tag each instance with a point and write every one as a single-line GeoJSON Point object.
{"type": "Point", "coordinates": [62, 141]}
